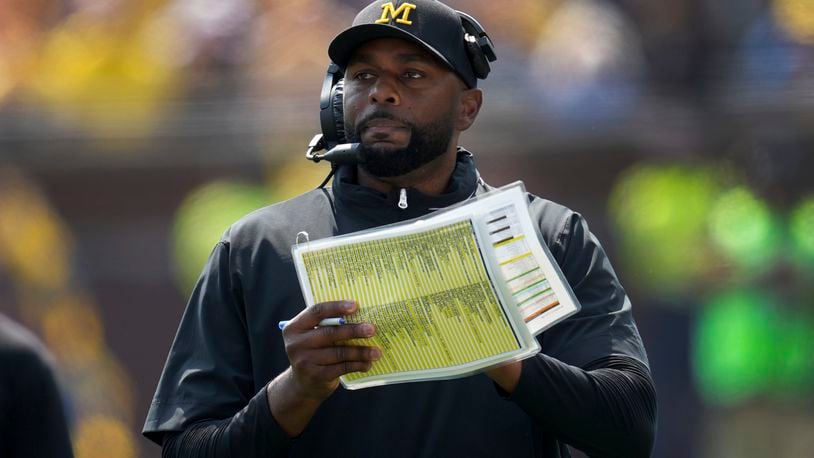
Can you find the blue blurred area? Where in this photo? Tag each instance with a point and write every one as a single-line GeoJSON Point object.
{"type": "Point", "coordinates": [687, 124]}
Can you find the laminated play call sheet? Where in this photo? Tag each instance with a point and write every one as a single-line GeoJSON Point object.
{"type": "Point", "coordinates": [450, 294]}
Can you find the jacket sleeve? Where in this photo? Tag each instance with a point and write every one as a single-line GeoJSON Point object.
{"type": "Point", "coordinates": [207, 402]}
{"type": "Point", "coordinates": [251, 432]}
{"type": "Point", "coordinates": [591, 384]}
{"type": "Point", "coordinates": [606, 410]}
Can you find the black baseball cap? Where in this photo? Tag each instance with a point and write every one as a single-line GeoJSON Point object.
{"type": "Point", "coordinates": [428, 23]}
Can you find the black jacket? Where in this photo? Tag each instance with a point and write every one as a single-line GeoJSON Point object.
{"type": "Point", "coordinates": [589, 387]}
{"type": "Point", "coordinates": [32, 417]}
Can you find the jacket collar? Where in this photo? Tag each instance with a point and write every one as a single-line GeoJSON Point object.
{"type": "Point", "coordinates": [359, 207]}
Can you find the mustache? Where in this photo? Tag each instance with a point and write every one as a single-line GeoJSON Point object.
{"type": "Point", "coordinates": [380, 114]}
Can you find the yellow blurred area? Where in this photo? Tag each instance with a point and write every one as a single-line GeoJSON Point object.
{"type": "Point", "coordinates": [295, 177]}
{"type": "Point", "coordinates": [515, 23]}
{"type": "Point", "coordinates": [33, 241]}
{"type": "Point", "coordinates": [796, 17]}
{"type": "Point", "coordinates": [103, 437]}
{"type": "Point", "coordinates": [102, 388]}
{"type": "Point", "coordinates": [202, 219]}
{"type": "Point", "coordinates": [7, 79]}
{"type": "Point", "coordinates": [22, 23]}
{"type": "Point", "coordinates": [73, 330]}
{"type": "Point", "coordinates": [660, 212]}
{"type": "Point", "coordinates": [112, 76]}
{"type": "Point", "coordinates": [35, 247]}
{"type": "Point", "coordinates": [276, 62]}
{"type": "Point", "coordinates": [652, 199]}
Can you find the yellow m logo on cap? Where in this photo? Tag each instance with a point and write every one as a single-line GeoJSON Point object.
{"type": "Point", "coordinates": [390, 12]}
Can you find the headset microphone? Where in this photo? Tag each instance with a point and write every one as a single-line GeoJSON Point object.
{"type": "Point", "coordinates": [343, 153]}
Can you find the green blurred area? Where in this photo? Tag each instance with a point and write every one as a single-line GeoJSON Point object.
{"type": "Point", "coordinates": [746, 345]}
{"type": "Point", "coordinates": [661, 215]}
{"type": "Point", "coordinates": [202, 219]}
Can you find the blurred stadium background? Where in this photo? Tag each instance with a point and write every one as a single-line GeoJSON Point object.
{"type": "Point", "coordinates": [133, 132]}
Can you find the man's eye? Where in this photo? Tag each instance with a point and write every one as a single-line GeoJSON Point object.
{"type": "Point", "coordinates": [413, 75]}
{"type": "Point", "coordinates": [362, 76]}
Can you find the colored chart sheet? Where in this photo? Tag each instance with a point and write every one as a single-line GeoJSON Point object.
{"type": "Point", "coordinates": [522, 270]}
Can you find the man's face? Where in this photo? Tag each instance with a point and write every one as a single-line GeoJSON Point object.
{"type": "Point", "coordinates": [400, 103]}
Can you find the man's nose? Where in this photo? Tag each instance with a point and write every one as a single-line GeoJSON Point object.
{"type": "Point", "coordinates": [385, 92]}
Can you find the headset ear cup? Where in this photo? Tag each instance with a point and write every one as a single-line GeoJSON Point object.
{"type": "Point", "coordinates": [480, 64]}
{"type": "Point", "coordinates": [478, 45]}
{"type": "Point", "coordinates": [338, 110]}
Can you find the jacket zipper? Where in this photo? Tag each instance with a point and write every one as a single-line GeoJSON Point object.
{"type": "Point", "coordinates": [403, 199]}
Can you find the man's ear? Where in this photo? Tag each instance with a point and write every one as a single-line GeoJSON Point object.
{"type": "Point", "coordinates": [468, 109]}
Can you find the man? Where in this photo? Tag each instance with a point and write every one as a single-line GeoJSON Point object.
{"type": "Point", "coordinates": [32, 419]}
{"type": "Point", "coordinates": [232, 386]}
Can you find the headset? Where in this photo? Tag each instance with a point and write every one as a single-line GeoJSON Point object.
{"type": "Point", "coordinates": [479, 49]}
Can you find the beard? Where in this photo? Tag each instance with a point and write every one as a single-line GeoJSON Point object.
{"type": "Point", "coordinates": [427, 142]}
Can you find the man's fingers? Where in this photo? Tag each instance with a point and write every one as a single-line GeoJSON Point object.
{"type": "Point", "coordinates": [327, 366]}
{"type": "Point", "coordinates": [345, 353]}
{"type": "Point", "coordinates": [329, 336]}
{"type": "Point", "coordinates": [311, 316]}
{"type": "Point", "coordinates": [335, 371]}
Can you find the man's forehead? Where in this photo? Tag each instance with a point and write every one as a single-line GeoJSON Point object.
{"type": "Point", "coordinates": [392, 48]}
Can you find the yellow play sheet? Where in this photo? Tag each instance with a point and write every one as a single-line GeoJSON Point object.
{"type": "Point", "coordinates": [428, 293]}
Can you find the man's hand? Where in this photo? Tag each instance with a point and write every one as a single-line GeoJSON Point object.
{"type": "Point", "coordinates": [318, 358]}
{"type": "Point", "coordinates": [507, 375]}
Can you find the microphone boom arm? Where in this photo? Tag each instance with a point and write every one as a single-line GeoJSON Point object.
{"type": "Point", "coordinates": [343, 153]}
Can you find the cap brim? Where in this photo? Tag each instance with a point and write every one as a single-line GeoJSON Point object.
{"type": "Point", "coordinates": [343, 46]}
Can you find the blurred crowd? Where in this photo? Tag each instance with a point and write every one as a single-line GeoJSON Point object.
{"type": "Point", "coordinates": [151, 125]}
